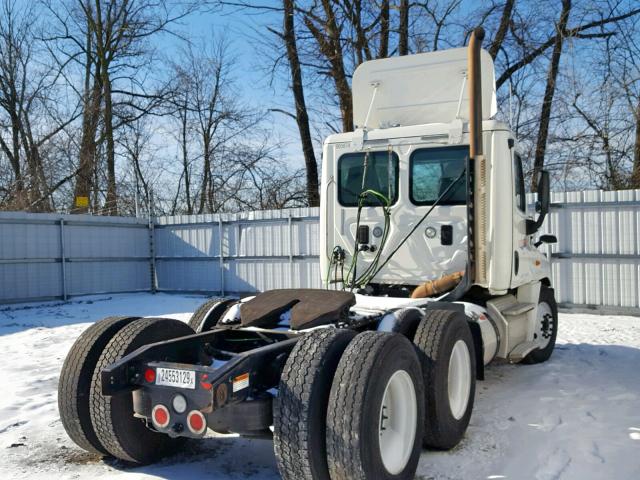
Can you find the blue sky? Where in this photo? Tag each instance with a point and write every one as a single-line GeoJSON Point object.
{"type": "Point", "coordinates": [239, 28]}
{"type": "Point", "coordinates": [242, 30]}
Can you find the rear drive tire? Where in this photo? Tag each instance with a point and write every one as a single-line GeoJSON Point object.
{"type": "Point", "coordinates": [301, 407]}
{"type": "Point", "coordinates": [75, 381]}
{"type": "Point", "coordinates": [209, 313]}
{"type": "Point", "coordinates": [546, 327]}
{"type": "Point", "coordinates": [375, 415]}
{"type": "Point", "coordinates": [407, 321]}
{"type": "Point", "coordinates": [446, 352]}
{"type": "Point", "coordinates": [123, 435]}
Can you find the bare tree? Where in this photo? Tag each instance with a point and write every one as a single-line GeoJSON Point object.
{"type": "Point", "coordinates": [184, 134]}
{"type": "Point", "coordinates": [531, 53]}
{"type": "Point", "coordinates": [547, 100]}
{"type": "Point", "coordinates": [302, 118]}
{"type": "Point", "coordinates": [212, 114]}
{"type": "Point", "coordinates": [110, 40]}
{"type": "Point", "coordinates": [28, 112]}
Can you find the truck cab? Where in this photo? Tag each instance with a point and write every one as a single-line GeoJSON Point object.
{"type": "Point", "coordinates": [411, 152]}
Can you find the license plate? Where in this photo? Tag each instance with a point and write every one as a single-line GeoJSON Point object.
{"type": "Point", "coordinates": [172, 377]}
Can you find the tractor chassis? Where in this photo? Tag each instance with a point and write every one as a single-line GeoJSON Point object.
{"type": "Point", "coordinates": [234, 396]}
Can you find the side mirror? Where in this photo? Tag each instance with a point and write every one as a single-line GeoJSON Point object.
{"type": "Point", "coordinates": [543, 204]}
{"type": "Point", "coordinates": [544, 194]}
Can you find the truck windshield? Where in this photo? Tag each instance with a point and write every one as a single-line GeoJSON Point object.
{"type": "Point", "coordinates": [432, 170]}
{"type": "Point", "coordinates": [381, 176]}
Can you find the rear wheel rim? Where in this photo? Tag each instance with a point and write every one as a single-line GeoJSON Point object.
{"type": "Point", "coordinates": [544, 325]}
{"type": "Point", "coordinates": [398, 422]}
{"type": "Point", "coordinates": [459, 379]}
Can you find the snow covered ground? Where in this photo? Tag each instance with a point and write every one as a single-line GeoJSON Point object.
{"type": "Point", "coordinates": [575, 417]}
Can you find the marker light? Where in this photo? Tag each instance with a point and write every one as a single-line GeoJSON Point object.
{"type": "Point", "coordinates": [150, 375]}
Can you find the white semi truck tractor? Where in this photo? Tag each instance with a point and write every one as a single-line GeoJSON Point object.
{"type": "Point", "coordinates": [430, 268]}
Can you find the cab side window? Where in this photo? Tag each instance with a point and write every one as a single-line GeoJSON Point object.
{"type": "Point", "coordinates": [518, 177]}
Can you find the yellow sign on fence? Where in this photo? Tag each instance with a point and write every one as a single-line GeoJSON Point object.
{"type": "Point", "coordinates": [82, 202]}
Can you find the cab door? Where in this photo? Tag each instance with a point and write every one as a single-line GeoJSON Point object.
{"type": "Point", "coordinates": [375, 172]}
{"type": "Point", "coordinates": [524, 253]}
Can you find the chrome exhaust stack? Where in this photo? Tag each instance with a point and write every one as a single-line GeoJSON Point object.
{"type": "Point", "coordinates": [477, 217]}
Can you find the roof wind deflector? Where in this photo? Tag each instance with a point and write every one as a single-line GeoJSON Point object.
{"type": "Point", "coordinates": [426, 88]}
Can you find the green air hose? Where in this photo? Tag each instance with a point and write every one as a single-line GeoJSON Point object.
{"type": "Point", "coordinates": [352, 279]}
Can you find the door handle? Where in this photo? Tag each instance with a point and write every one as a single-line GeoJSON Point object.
{"type": "Point", "coordinates": [446, 235]}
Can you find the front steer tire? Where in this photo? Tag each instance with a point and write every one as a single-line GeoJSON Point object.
{"type": "Point", "coordinates": [358, 417]}
{"type": "Point", "coordinates": [121, 434]}
{"type": "Point", "coordinates": [75, 381]}
{"type": "Point", "coordinates": [547, 302]}
{"type": "Point", "coordinates": [437, 335]}
{"type": "Point", "coordinates": [301, 407]}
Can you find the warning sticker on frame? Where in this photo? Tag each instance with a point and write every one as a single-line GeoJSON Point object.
{"type": "Point", "coordinates": [240, 382]}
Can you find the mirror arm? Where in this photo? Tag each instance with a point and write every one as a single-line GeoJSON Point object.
{"type": "Point", "coordinates": [534, 225]}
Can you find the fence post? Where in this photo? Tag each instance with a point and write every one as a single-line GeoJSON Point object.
{"type": "Point", "coordinates": [63, 265]}
{"type": "Point", "coordinates": [152, 246]}
{"type": "Point", "coordinates": [221, 254]}
{"type": "Point", "coordinates": [291, 269]}
{"type": "Point", "coordinates": [152, 256]}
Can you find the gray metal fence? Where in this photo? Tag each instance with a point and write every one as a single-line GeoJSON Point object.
{"type": "Point", "coordinates": [244, 252]}
{"type": "Point", "coordinates": [596, 263]}
{"type": "Point", "coordinates": [46, 256]}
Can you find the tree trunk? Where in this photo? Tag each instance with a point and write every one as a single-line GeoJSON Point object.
{"type": "Point", "coordinates": [403, 31]}
{"type": "Point", "coordinates": [185, 155]}
{"type": "Point", "coordinates": [111, 202]}
{"type": "Point", "coordinates": [503, 28]}
{"type": "Point", "coordinates": [14, 158]}
{"type": "Point", "coordinates": [547, 102]}
{"type": "Point", "coordinates": [104, 53]}
{"type": "Point", "coordinates": [363, 51]}
{"type": "Point", "coordinates": [330, 44]}
{"type": "Point", "coordinates": [302, 117]}
{"type": "Point", "coordinates": [337, 68]}
{"type": "Point", "coordinates": [15, 166]}
{"type": "Point", "coordinates": [33, 192]}
{"type": "Point", "coordinates": [91, 111]}
{"type": "Point", "coordinates": [635, 175]}
{"type": "Point", "coordinates": [383, 51]}
{"type": "Point", "coordinates": [39, 199]}
{"type": "Point", "coordinates": [206, 172]}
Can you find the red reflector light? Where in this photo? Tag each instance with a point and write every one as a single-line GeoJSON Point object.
{"type": "Point", "coordinates": [160, 416]}
{"type": "Point", "coordinates": [150, 375]}
{"type": "Point", "coordinates": [196, 422]}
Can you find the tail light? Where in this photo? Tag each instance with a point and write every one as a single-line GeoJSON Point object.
{"type": "Point", "coordinates": [196, 422]}
{"type": "Point", "coordinates": [160, 416]}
